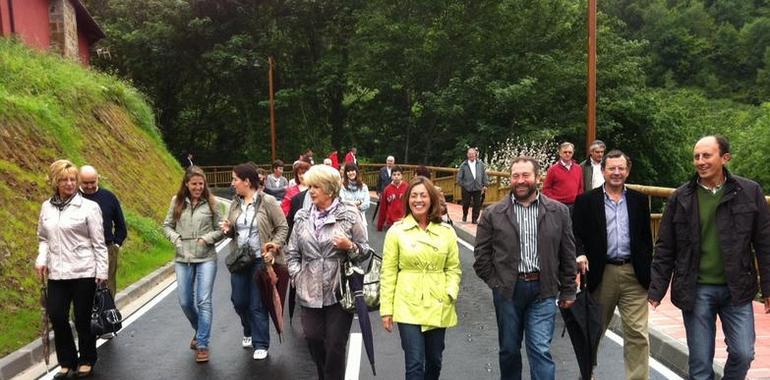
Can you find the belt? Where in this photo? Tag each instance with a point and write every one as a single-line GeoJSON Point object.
{"type": "Point", "coordinates": [531, 276]}
{"type": "Point", "coordinates": [619, 262]}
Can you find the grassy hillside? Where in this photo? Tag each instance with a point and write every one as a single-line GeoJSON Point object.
{"type": "Point", "coordinates": [51, 108]}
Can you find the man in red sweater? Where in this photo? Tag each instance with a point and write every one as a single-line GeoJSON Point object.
{"type": "Point", "coordinates": [564, 180]}
{"type": "Point", "coordinates": [391, 200]}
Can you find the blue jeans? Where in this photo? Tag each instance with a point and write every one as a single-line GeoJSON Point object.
{"type": "Point", "coordinates": [422, 351]}
{"type": "Point", "coordinates": [700, 325]}
{"type": "Point", "coordinates": [247, 300]}
{"type": "Point", "coordinates": [195, 282]}
{"type": "Point", "coordinates": [529, 313]}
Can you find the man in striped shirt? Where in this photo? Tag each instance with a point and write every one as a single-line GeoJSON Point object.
{"type": "Point", "coordinates": [525, 252]}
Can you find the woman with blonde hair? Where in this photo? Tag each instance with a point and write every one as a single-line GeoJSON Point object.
{"type": "Point", "coordinates": [420, 280]}
{"type": "Point", "coordinates": [192, 225]}
{"type": "Point", "coordinates": [325, 236]}
{"type": "Point", "coordinates": [73, 255]}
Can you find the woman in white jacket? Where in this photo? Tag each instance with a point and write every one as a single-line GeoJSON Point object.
{"type": "Point", "coordinates": [354, 190]}
{"type": "Point", "coordinates": [73, 255]}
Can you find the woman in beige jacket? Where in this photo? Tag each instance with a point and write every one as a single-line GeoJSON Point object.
{"type": "Point", "coordinates": [192, 225]}
{"type": "Point", "coordinates": [73, 255]}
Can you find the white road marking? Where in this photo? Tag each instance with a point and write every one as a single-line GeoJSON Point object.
{"type": "Point", "coordinates": [654, 364]}
{"type": "Point", "coordinates": [465, 244]}
{"type": "Point", "coordinates": [138, 313]}
{"type": "Point", "coordinates": [353, 367]}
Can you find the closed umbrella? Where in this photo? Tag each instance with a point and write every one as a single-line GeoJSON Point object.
{"type": "Point", "coordinates": [45, 326]}
{"type": "Point", "coordinates": [356, 283]}
{"type": "Point", "coordinates": [273, 281]}
{"type": "Point", "coordinates": [583, 322]}
{"type": "Point", "coordinates": [292, 301]}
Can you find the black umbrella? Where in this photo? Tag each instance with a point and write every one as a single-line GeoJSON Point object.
{"type": "Point", "coordinates": [583, 321]}
{"type": "Point", "coordinates": [292, 301]}
{"type": "Point", "coordinates": [356, 283]}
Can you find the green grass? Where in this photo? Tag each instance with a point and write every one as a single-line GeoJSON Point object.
{"type": "Point", "coordinates": [145, 250]}
{"type": "Point", "coordinates": [52, 108]}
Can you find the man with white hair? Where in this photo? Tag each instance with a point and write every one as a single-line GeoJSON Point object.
{"type": "Point", "coordinates": [385, 173]}
{"type": "Point", "coordinates": [112, 216]}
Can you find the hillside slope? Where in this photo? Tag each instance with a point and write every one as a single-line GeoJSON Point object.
{"type": "Point", "coordinates": [51, 109]}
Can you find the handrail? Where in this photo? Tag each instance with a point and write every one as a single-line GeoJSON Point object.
{"type": "Point", "coordinates": [443, 177]}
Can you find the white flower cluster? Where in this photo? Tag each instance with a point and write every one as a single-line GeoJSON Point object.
{"type": "Point", "coordinates": [500, 159]}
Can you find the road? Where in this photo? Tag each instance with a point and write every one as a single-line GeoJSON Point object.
{"type": "Point", "coordinates": [155, 344]}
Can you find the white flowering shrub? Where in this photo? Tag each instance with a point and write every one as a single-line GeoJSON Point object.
{"type": "Point", "coordinates": [500, 159]}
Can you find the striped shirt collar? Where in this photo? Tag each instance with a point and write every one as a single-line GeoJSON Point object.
{"type": "Point", "coordinates": [516, 202]}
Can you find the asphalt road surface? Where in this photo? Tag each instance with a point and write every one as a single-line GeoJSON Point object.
{"type": "Point", "coordinates": [155, 345]}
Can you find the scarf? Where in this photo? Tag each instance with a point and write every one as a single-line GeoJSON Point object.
{"type": "Point", "coordinates": [59, 203]}
{"type": "Point", "coordinates": [319, 216]}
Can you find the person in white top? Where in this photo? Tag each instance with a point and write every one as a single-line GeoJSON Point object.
{"type": "Point", "coordinates": [73, 256]}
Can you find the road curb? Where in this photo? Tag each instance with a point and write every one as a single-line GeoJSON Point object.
{"type": "Point", "coordinates": [665, 349]}
{"type": "Point", "coordinates": [20, 360]}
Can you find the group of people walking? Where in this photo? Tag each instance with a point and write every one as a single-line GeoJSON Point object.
{"type": "Point", "coordinates": [529, 247]}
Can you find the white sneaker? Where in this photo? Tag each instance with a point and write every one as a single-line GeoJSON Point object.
{"type": "Point", "coordinates": [260, 354]}
{"type": "Point", "coordinates": [246, 342]}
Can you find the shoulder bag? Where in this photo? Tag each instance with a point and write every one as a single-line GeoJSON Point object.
{"type": "Point", "coordinates": [370, 288]}
{"type": "Point", "coordinates": [244, 256]}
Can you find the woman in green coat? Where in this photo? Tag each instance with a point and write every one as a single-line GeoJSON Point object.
{"type": "Point", "coordinates": [420, 280]}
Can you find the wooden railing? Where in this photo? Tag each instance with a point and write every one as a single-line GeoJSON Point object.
{"type": "Point", "coordinates": [445, 178]}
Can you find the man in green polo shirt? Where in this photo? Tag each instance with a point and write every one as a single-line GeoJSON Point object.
{"type": "Point", "coordinates": [714, 229]}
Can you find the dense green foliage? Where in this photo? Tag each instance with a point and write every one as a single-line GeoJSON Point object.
{"type": "Point", "coordinates": [424, 79]}
{"type": "Point", "coordinates": [52, 108]}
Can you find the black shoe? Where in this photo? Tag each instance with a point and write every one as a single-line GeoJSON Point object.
{"type": "Point", "coordinates": [465, 218]}
{"type": "Point", "coordinates": [69, 374]}
{"type": "Point", "coordinates": [83, 374]}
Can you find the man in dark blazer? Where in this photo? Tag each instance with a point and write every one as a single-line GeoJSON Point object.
{"type": "Point", "coordinates": [385, 172]}
{"type": "Point", "coordinates": [613, 235]}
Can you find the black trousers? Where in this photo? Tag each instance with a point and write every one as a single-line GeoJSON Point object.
{"type": "Point", "coordinates": [80, 293]}
{"type": "Point", "coordinates": [471, 199]}
{"type": "Point", "coordinates": [326, 332]}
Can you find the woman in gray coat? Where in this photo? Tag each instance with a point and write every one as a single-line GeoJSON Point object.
{"type": "Point", "coordinates": [324, 237]}
{"type": "Point", "coordinates": [192, 225]}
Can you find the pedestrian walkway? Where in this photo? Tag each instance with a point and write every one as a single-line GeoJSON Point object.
{"type": "Point", "coordinates": [667, 334]}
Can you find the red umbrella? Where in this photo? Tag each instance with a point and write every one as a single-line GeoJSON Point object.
{"type": "Point", "coordinates": [273, 281]}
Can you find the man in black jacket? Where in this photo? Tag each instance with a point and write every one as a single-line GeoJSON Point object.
{"type": "Point", "coordinates": [593, 176]}
{"type": "Point", "coordinates": [613, 235]}
{"type": "Point", "coordinates": [706, 237]}
{"type": "Point", "coordinates": [383, 179]}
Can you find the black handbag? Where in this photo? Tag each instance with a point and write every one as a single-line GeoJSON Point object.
{"type": "Point", "coordinates": [242, 257]}
{"type": "Point", "coordinates": [105, 317]}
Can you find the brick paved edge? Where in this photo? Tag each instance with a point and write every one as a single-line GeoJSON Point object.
{"type": "Point", "coordinates": [32, 354]}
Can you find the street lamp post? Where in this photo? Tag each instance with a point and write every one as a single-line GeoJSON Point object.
{"type": "Point", "coordinates": [591, 106]}
{"type": "Point", "coordinates": [271, 96]}
{"type": "Point", "coordinates": [271, 65]}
